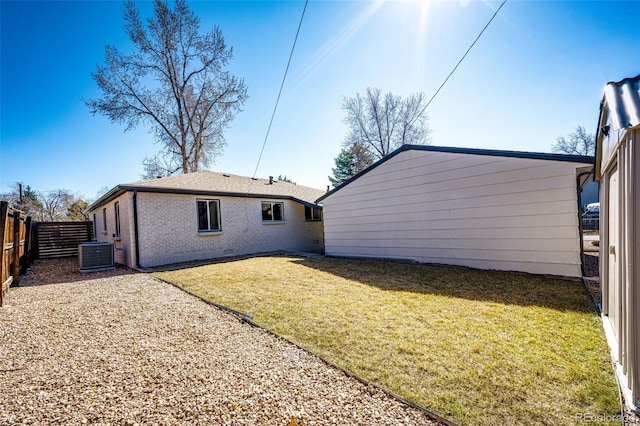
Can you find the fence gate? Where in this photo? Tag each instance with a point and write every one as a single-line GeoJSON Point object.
{"type": "Point", "coordinates": [61, 239]}
{"type": "Point", "coordinates": [15, 235]}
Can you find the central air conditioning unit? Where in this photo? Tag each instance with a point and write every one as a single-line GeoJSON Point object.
{"type": "Point", "coordinates": [96, 256]}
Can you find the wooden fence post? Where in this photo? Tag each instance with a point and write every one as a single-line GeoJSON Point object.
{"type": "Point", "coordinates": [28, 246]}
{"type": "Point", "coordinates": [17, 225]}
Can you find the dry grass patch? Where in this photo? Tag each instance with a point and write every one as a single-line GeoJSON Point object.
{"type": "Point", "coordinates": [478, 347]}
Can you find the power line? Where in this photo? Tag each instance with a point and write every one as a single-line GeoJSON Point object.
{"type": "Point", "coordinates": [462, 59]}
{"type": "Point", "coordinates": [281, 86]}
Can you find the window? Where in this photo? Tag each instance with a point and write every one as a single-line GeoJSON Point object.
{"type": "Point", "coordinates": [272, 212]}
{"type": "Point", "coordinates": [104, 220]}
{"type": "Point", "coordinates": [116, 208]}
{"type": "Point", "coordinates": [311, 214]}
{"type": "Point", "coordinates": [208, 215]}
{"type": "Point", "coordinates": [95, 227]}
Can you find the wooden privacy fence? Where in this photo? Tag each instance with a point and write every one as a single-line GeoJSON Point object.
{"type": "Point", "coordinates": [15, 234]}
{"type": "Point", "coordinates": [61, 239]}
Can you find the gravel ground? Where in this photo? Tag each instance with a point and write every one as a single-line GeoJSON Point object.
{"type": "Point", "coordinates": [120, 347]}
{"type": "Point", "coordinates": [592, 264]}
{"type": "Point", "coordinates": [591, 269]}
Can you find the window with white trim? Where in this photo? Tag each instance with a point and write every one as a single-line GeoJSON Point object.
{"type": "Point", "coordinates": [208, 215]}
{"type": "Point", "coordinates": [272, 212]}
{"type": "Point", "coordinates": [312, 214]}
{"type": "Point", "coordinates": [104, 220]}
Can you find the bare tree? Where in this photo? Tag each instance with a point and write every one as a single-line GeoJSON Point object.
{"type": "Point", "coordinates": [55, 205]}
{"type": "Point", "coordinates": [361, 157]}
{"type": "Point", "coordinates": [31, 203]}
{"type": "Point", "coordinates": [380, 124]}
{"type": "Point", "coordinates": [13, 198]}
{"type": "Point", "coordinates": [100, 192]}
{"type": "Point", "coordinates": [161, 165]}
{"type": "Point", "coordinates": [577, 143]}
{"type": "Point", "coordinates": [25, 199]}
{"type": "Point", "coordinates": [174, 81]}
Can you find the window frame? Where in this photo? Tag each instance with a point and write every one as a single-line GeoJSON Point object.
{"type": "Point", "coordinates": [95, 227]}
{"type": "Point", "coordinates": [310, 217]}
{"type": "Point", "coordinates": [116, 210]}
{"type": "Point", "coordinates": [207, 202]}
{"type": "Point", "coordinates": [271, 208]}
{"type": "Point", "coordinates": [104, 220]}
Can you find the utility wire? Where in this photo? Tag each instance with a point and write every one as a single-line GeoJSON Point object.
{"type": "Point", "coordinates": [462, 59]}
{"type": "Point", "coordinates": [281, 86]}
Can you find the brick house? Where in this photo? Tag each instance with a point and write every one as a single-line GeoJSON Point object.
{"type": "Point", "coordinates": [205, 215]}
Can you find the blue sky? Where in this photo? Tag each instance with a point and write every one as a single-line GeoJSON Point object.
{"type": "Point", "coordinates": [537, 73]}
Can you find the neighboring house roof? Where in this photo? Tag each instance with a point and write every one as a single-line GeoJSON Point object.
{"type": "Point", "coordinates": [209, 183]}
{"type": "Point", "coordinates": [496, 153]}
{"type": "Point", "coordinates": [623, 99]}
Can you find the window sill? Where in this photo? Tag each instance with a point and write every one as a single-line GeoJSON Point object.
{"type": "Point", "coordinates": [274, 222]}
{"type": "Point", "coordinates": [205, 233]}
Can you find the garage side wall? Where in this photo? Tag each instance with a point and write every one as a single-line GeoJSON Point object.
{"type": "Point", "coordinates": [480, 211]}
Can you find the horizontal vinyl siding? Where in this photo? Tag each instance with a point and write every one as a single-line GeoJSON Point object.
{"type": "Point", "coordinates": [532, 233]}
{"type": "Point", "coordinates": [464, 177]}
{"type": "Point", "coordinates": [534, 246]}
{"type": "Point", "coordinates": [461, 209]}
{"type": "Point", "coordinates": [494, 264]}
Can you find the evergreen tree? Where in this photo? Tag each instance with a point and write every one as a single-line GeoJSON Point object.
{"type": "Point", "coordinates": [345, 167]}
{"type": "Point", "coordinates": [285, 179]}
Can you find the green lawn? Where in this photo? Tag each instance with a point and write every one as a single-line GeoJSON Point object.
{"type": "Point", "coordinates": [477, 347]}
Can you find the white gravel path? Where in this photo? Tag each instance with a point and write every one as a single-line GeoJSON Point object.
{"type": "Point", "coordinates": [124, 348]}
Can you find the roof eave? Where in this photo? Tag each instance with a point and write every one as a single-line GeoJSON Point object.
{"type": "Point", "coordinates": [115, 192]}
{"type": "Point", "coordinates": [598, 156]}
{"type": "Point", "coordinates": [121, 189]}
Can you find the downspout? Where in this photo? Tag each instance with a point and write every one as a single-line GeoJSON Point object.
{"type": "Point", "coordinates": [580, 230]}
{"type": "Point", "coordinates": [135, 227]}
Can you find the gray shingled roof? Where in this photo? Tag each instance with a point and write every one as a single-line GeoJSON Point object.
{"type": "Point", "coordinates": [207, 182]}
{"type": "Point", "coordinates": [623, 99]}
